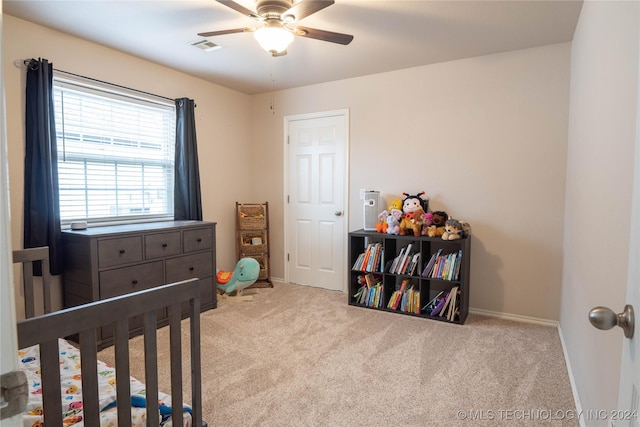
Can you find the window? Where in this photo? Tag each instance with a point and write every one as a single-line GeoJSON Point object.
{"type": "Point", "coordinates": [115, 153]}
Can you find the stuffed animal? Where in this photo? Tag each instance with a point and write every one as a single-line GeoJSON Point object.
{"type": "Point", "coordinates": [393, 221]}
{"type": "Point", "coordinates": [427, 221]}
{"type": "Point", "coordinates": [244, 275]}
{"type": "Point", "coordinates": [396, 204]}
{"type": "Point", "coordinates": [411, 203]}
{"type": "Point", "coordinates": [466, 228]}
{"type": "Point", "coordinates": [452, 230]}
{"type": "Point", "coordinates": [412, 221]}
{"type": "Point", "coordinates": [412, 206]}
{"type": "Point", "coordinates": [381, 225]}
{"type": "Point", "coordinates": [437, 228]}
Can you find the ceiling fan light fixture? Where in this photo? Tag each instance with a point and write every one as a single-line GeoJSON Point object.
{"type": "Point", "coordinates": [273, 39]}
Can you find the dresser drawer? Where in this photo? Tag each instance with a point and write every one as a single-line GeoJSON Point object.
{"type": "Point", "coordinates": [197, 240]}
{"type": "Point", "coordinates": [189, 266]}
{"type": "Point", "coordinates": [103, 262]}
{"type": "Point", "coordinates": [119, 251]}
{"type": "Point", "coordinates": [161, 245]}
{"type": "Point", "coordinates": [124, 280]}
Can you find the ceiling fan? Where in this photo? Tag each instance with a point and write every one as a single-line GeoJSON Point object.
{"type": "Point", "coordinates": [278, 16]}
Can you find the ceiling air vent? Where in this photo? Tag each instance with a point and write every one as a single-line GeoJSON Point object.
{"type": "Point", "coordinates": [205, 45]}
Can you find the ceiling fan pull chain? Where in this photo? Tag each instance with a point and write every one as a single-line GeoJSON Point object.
{"type": "Point", "coordinates": [273, 83]}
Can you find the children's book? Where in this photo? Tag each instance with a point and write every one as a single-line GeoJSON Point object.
{"type": "Point", "coordinates": [430, 265]}
{"type": "Point", "coordinates": [445, 305]}
{"type": "Point", "coordinates": [432, 304]}
{"type": "Point", "coordinates": [439, 305]}
{"type": "Point", "coordinates": [452, 304]}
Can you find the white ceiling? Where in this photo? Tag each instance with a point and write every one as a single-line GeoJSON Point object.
{"type": "Point", "coordinates": [388, 35]}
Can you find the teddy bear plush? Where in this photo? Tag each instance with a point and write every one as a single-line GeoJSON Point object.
{"type": "Point", "coordinates": [393, 221]}
{"type": "Point", "coordinates": [436, 229]}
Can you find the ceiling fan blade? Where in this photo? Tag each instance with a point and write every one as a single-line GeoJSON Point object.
{"type": "Point", "coordinates": [223, 32]}
{"type": "Point", "coordinates": [305, 8]}
{"type": "Point", "coordinates": [327, 36]}
{"type": "Point", "coordinates": [239, 8]}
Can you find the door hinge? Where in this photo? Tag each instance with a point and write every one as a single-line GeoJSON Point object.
{"type": "Point", "coordinates": [288, 139]}
{"type": "Point", "coordinates": [288, 201]}
{"type": "Point", "coordinates": [15, 393]}
{"type": "Point", "coordinates": [287, 257]}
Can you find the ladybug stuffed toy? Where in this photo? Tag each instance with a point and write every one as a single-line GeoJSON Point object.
{"type": "Point", "coordinates": [413, 209]}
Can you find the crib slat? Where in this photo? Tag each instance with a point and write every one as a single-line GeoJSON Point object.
{"type": "Point", "coordinates": [151, 367]}
{"type": "Point", "coordinates": [50, 371]}
{"type": "Point", "coordinates": [46, 284]}
{"type": "Point", "coordinates": [89, 369]}
{"type": "Point", "coordinates": [196, 368]}
{"type": "Point", "coordinates": [175, 342]}
{"type": "Point", "coordinates": [123, 387]}
{"type": "Point", "coordinates": [29, 297]}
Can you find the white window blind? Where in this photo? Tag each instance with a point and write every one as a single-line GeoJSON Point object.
{"type": "Point", "coordinates": [115, 153]}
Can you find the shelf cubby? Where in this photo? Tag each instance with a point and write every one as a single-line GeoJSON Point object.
{"type": "Point", "coordinates": [455, 259]}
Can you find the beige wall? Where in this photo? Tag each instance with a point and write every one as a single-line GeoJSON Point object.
{"type": "Point", "coordinates": [222, 118]}
{"type": "Point", "coordinates": [602, 131]}
{"type": "Point", "coordinates": [485, 137]}
{"type": "Point", "coordinates": [489, 133]}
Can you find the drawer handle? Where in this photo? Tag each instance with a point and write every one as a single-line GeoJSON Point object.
{"type": "Point", "coordinates": [199, 240]}
{"type": "Point", "coordinates": [134, 282]}
{"type": "Point", "coordinates": [122, 251]}
{"type": "Point", "coordinates": [164, 245]}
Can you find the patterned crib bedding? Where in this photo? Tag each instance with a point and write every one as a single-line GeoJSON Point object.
{"type": "Point", "coordinates": [71, 390]}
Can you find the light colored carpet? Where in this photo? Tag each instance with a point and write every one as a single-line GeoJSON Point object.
{"type": "Point", "coordinates": [301, 356]}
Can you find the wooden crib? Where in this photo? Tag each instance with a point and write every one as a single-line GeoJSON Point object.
{"type": "Point", "coordinates": [81, 321]}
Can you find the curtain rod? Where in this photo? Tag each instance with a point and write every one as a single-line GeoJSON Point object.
{"type": "Point", "coordinates": [27, 62]}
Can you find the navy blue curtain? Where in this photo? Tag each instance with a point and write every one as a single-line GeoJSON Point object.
{"type": "Point", "coordinates": [41, 201]}
{"type": "Point", "coordinates": [187, 201]}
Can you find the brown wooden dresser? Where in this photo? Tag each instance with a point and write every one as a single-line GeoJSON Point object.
{"type": "Point", "coordinates": [102, 262]}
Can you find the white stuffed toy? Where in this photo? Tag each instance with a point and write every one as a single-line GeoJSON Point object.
{"type": "Point", "coordinates": [393, 221]}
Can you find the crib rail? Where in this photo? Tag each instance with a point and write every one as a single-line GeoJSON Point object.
{"type": "Point", "coordinates": [83, 321]}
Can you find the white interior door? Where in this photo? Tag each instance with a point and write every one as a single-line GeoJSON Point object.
{"type": "Point", "coordinates": [9, 347]}
{"type": "Point", "coordinates": [628, 394]}
{"type": "Point", "coordinates": [316, 191]}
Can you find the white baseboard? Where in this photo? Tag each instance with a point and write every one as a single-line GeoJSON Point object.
{"type": "Point", "coordinates": [545, 322]}
{"type": "Point", "coordinates": [516, 317]}
{"type": "Point", "coordinates": [574, 389]}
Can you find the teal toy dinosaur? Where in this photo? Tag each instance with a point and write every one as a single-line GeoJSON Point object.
{"type": "Point", "coordinates": [244, 275]}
